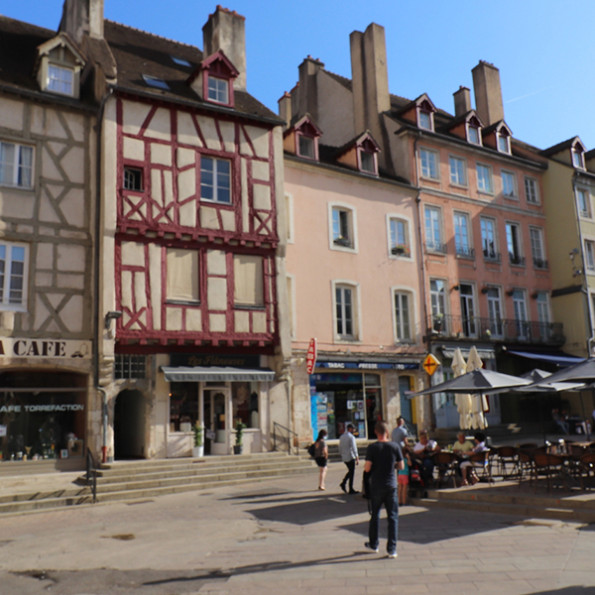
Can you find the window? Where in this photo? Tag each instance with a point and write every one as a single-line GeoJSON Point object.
{"type": "Point", "coordinates": [508, 184]}
{"type": "Point", "coordinates": [578, 160]}
{"type": "Point", "coordinates": [342, 227]}
{"type": "Point", "coordinates": [129, 366]}
{"type": "Point", "coordinates": [367, 161]}
{"type": "Point", "coordinates": [458, 171]}
{"type": "Point", "coordinates": [537, 249]}
{"type": "Point", "coordinates": [590, 256]}
{"type": "Point", "coordinates": [473, 135]}
{"type": "Point", "coordinates": [503, 141]}
{"type": "Point", "coordinates": [484, 178]}
{"type": "Point", "coordinates": [531, 190]}
{"type": "Point", "coordinates": [155, 82]}
{"type": "Point", "coordinates": [248, 281]}
{"type": "Point", "coordinates": [181, 283]}
{"type": "Point", "coordinates": [438, 304]}
{"type": "Point", "coordinates": [399, 237]}
{"type": "Point", "coordinates": [468, 321]}
{"type": "Point", "coordinates": [583, 199]}
{"type": "Point", "coordinates": [306, 146]}
{"type": "Point", "coordinates": [433, 229]}
{"type": "Point", "coordinates": [543, 314]}
{"type": "Point", "coordinates": [133, 179]}
{"type": "Point", "coordinates": [520, 313]}
{"type": "Point", "coordinates": [218, 90]}
{"type": "Point", "coordinates": [495, 312]}
{"type": "Point", "coordinates": [488, 240]}
{"type": "Point", "coordinates": [402, 316]}
{"type": "Point", "coordinates": [429, 163]}
{"type": "Point", "coordinates": [16, 165]}
{"type": "Point", "coordinates": [425, 119]}
{"type": "Point", "coordinates": [215, 180]}
{"type": "Point", "coordinates": [513, 244]}
{"type": "Point", "coordinates": [345, 327]}
{"type": "Point", "coordinates": [462, 239]}
{"type": "Point", "coordinates": [60, 80]}
{"type": "Point", "coordinates": [13, 266]}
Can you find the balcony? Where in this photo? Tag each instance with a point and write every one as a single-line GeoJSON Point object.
{"type": "Point", "coordinates": [490, 255]}
{"type": "Point", "coordinates": [484, 329]}
{"type": "Point", "coordinates": [465, 252]}
{"type": "Point", "coordinates": [435, 247]}
{"type": "Point", "coordinates": [516, 259]}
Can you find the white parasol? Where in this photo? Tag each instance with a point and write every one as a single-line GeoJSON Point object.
{"type": "Point", "coordinates": [462, 401]}
{"type": "Point", "coordinates": [479, 401]}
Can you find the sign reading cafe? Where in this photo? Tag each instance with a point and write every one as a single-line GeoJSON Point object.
{"type": "Point", "coordinates": [54, 348]}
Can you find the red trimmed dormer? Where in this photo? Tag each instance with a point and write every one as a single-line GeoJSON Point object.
{"type": "Point", "coordinates": [420, 112]}
{"type": "Point", "coordinates": [498, 136]}
{"type": "Point", "coordinates": [302, 138]}
{"type": "Point", "coordinates": [361, 154]}
{"type": "Point", "coordinates": [213, 79]}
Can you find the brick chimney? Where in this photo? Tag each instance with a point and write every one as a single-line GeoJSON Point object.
{"type": "Point", "coordinates": [462, 101]}
{"type": "Point", "coordinates": [285, 108]}
{"type": "Point", "coordinates": [81, 18]}
{"type": "Point", "coordinates": [369, 79]}
{"type": "Point", "coordinates": [225, 31]}
{"type": "Point", "coordinates": [488, 93]}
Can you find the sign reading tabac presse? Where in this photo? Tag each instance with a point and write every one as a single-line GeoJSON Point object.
{"type": "Point", "coordinates": [53, 348]}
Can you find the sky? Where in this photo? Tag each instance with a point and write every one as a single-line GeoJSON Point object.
{"type": "Point", "coordinates": [544, 49]}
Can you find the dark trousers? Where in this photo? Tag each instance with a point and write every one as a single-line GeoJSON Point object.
{"type": "Point", "coordinates": [386, 497]}
{"type": "Point", "coordinates": [349, 475]}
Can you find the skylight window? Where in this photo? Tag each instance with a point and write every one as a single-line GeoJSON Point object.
{"type": "Point", "coordinates": [153, 81]}
{"type": "Point", "coordinates": [180, 61]}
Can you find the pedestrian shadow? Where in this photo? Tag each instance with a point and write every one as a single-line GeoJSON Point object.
{"type": "Point", "coordinates": [224, 575]}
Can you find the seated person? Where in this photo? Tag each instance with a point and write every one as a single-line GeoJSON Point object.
{"type": "Point", "coordinates": [560, 421]}
{"type": "Point", "coordinates": [480, 446]}
{"type": "Point", "coordinates": [424, 450]}
{"type": "Point", "coordinates": [462, 445]}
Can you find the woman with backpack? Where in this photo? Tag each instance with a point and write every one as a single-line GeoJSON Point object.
{"type": "Point", "coordinates": [321, 457]}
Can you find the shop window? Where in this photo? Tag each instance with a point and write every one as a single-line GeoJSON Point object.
{"type": "Point", "coordinates": [182, 276]}
{"type": "Point", "coordinates": [183, 406]}
{"type": "Point", "coordinates": [248, 281]}
{"type": "Point", "coordinates": [244, 398]}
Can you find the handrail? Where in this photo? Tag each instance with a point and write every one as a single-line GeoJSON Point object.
{"type": "Point", "coordinates": [91, 474]}
{"type": "Point", "coordinates": [288, 434]}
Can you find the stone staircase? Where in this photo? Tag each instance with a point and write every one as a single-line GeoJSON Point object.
{"type": "Point", "coordinates": [128, 480]}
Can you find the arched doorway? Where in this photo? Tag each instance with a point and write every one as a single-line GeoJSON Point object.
{"type": "Point", "coordinates": [129, 425]}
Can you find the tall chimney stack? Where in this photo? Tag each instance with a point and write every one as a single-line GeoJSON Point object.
{"type": "Point", "coordinates": [488, 93]}
{"type": "Point", "coordinates": [225, 30]}
{"type": "Point", "coordinates": [462, 101]}
{"type": "Point", "coordinates": [82, 17]}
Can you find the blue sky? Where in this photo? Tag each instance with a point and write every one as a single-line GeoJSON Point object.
{"type": "Point", "coordinates": [543, 48]}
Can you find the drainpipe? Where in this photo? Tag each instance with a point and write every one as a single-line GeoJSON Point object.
{"type": "Point", "coordinates": [97, 327]}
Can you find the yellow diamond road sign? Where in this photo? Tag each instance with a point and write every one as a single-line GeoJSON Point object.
{"type": "Point", "coordinates": [431, 363]}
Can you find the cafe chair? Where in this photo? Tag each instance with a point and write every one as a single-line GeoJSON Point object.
{"type": "Point", "coordinates": [587, 469]}
{"type": "Point", "coordinates": [507, 461]}
{"type": "Point", "coordinates": [482, 465]}
{"type": "Point", "coordinates": [549, 466]}
{"type": "Point", "coordinates": [446, 463]}
{"type": "Point", "coordinates": [526, 467]}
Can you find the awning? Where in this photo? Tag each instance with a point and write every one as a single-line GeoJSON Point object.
{"type": "Point", "coordinates": [449, 352]}
{"type": "Point", "coordinates": [560, 358]}
{"type": "Point", "coordinates": [212, 373]}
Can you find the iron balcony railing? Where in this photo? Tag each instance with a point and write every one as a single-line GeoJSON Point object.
{"type": "Point", "coordinates": [486, 329]}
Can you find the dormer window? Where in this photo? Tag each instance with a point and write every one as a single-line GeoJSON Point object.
{"type": "Point", "coordinates": [60, 79]}
{"type": "Point", "coordinates": [474, 131]}
{"type": "Point", "coordinates": [302, 138]}
{"type": "Point", "coordinates": [503, 141]}
{"type": "Point", "coordinates": [213, 79]}
{"type": "Point", "coordinates": [218, 90]}
{"type": "Point", "coordinates": [425, 114]}
{"type": "Point", "coordinates": [58, 66]}
{"type": "Point", "coordinates": [578, 158]}
{"type": "Point", "coordinates": [367, 161]}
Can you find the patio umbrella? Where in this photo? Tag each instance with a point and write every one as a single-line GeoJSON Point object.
{"type": "Point", "coordinates": [462, 401]}
{"type": "Point", "coordinates": [479, 401]}
{"type": "Point", "coordinates": [478, 381]}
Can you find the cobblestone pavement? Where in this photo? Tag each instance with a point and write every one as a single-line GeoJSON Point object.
{"type": "Point", "coordinates": [284, 536]}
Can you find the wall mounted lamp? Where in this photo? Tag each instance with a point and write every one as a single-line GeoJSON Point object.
{"type": "Point", "coordinates": [111, 315]}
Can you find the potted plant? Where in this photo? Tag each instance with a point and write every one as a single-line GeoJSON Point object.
{"type": "Point", "coordinates": [237, 448]}
{"type": "Point", "coordinates": [198, 448]}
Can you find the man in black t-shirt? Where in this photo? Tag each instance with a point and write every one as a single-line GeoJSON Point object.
{"type": "Point", "coordinates": [382, 458]}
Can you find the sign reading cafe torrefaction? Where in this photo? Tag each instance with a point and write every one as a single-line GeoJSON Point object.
{"type": "Point", "coordinates": [54, 348]}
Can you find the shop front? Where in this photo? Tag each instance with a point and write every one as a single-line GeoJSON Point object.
{"type": "Point", "coordinates": [343, 392]}
{"type": "Point", "coordinates": [218, 392]}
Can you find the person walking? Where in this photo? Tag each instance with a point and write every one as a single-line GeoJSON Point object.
{"type": "Point", "coordinates": [321, 457]}
{"type": "Point", "coordinates": [350, 456]}
{"type": "Point", "coordinates": [400, 433]}
{"type": "Point", "coordinates": [382, 458]}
